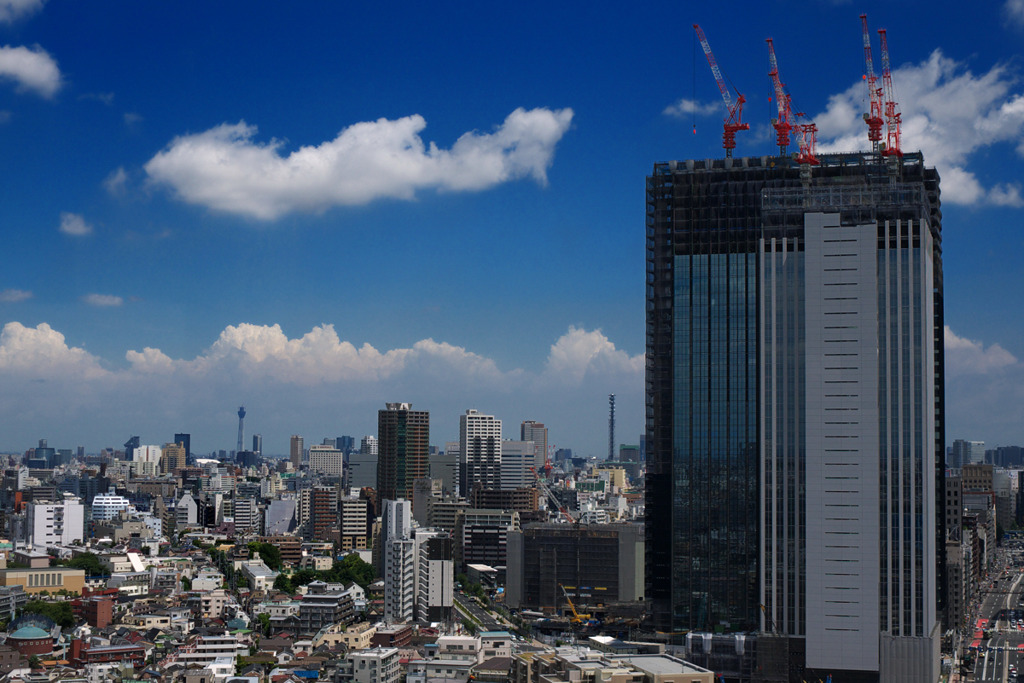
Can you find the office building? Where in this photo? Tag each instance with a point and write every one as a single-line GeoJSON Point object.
{"type": "Point", "coordinates": [479, 451]}
{"type": "Point", "coordinates": [107, 506]}
{"type": "Point", "coordinates": [518, 464]}
{"type": "Point", "coordinates": [794, 397]}
{"type": "Point", "coordinates": [536, 432]}
{"type": "Point", "coordinates": [186, 441]}
{"type": "Point", "coordinates": [173, 457]}
{"type": "Point", "coordinates": [326, 460]}
{"type": "Point", "coordinates": [361, 471]}
{"type": "Point", "coordinates": [368, 445]}
{"type": "Point", "coordinates": [296, 451]}
{"type": "Point", "coordinates": [968, 453]}
{"type": "Point", "coordinates": [257, 444]}
{"type": "Point", "coordinates": [402, 457]}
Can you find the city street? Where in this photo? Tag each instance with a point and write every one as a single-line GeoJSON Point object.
{"type": "Point", "coordinates": [998, 637]}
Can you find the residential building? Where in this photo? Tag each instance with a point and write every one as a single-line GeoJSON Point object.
{"type": "Point", "coordinates": [377, 665]}
{"type": "Point", "coordinates": [479, 451]}
{"type": "Point", "coordinates": [173, 458]}
{"type": "Point", "coordinates": [403, 448]}
{"type": "Point", "coordinates": [323, 606]}
{"type": "Point", "coordinates": [60, 523]}
{"type": "Point", "coordinates": [794, 405]}
{"type": "Point", "coordinates": [518, 464]}
{"type": "Point", "coordinates": [435, 576]}
{"type": "Point", "coordinates": [107, 506]}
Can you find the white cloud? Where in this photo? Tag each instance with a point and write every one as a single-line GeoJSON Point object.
{"type": "Point", "coordinates": [579, 352]}
{"type": "Point", "coordinates": [687, 107]}
{"type": "Point", "coordinates": [33, 69]}
{"type": "Point", "coordinates": [966, 356]}
{"type": "Point", "coordinates": [103, 300]}
{"type": "Point", "coordinates": [225, 169]}
{"type": "Point", "coordinates": [116, 182]}
{"type": "Point", "coordinates": [949, 113]}
{"type": "Point", "coordinates": [11, 10]}
{"type": "Point", "coordinates": [43, 351]}
{"type": "Point", "coordinates": [74, 224]}
{"type": "Point", "coordinates": [1014, 11]}
{"type": "Point", "coordinates": [10, 296]}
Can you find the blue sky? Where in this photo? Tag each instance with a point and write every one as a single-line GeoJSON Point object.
{"type": "Point", "coordinates": [314, 209]}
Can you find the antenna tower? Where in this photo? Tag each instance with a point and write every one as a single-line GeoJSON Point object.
{"type": "Point", "coordinates": [611, 426]}
{"type": "Point", "coordinates": [241, 421]}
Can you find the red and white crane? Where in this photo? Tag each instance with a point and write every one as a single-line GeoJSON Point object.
{"type": "Point", "coordinates": [783, 124]}
{"type": "Point", "coordinates": [874, 117]}
{"type": "Point", "coordinates": [893, 118]}
{"type": "Point", "coordinates": [733, 122]}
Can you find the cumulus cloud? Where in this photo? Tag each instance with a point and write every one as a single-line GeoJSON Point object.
{"type": "Point", "coordinates": [32, 69]}
{"type": "Point", "coordinates": [74, 224]}
{"type": "Point", "coordinates": [41, 350]}
{"type": "Point", "coordinates": [966, 356]}
{"type": "Point", "coordinates": [103, 300]}
{"type": "Point", "coordinates": [227, 169]}
{"type": "Point", "coordinates": [10, 10]}
{"type": "Point", "coordinates": [687, 107]}
{"type": "Point", "coordinates": [1014, 11]}
{"type": "Point", "coordinates": [578, 352]}
{"type": "Point", "coordinates": [949, 113]}
{"type": "Point", "coordinates": [12, 296]}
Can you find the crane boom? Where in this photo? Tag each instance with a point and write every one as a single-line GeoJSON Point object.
{"type": "Point", "coordinates": [874, 117]}
{"type": "Point", "coordinates": [781, 123]}
{"type": "Point", "coordinates": [893, 118]}
{"type": "Point", "coordinates": [734, 120]}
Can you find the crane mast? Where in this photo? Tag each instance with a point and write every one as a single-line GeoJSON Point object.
{"type": "Point", "coordinates": [781, 123]}
{"type": "Point", "coordinates": [733, 122]}
{"type": "Point", "coordinates": [874, 117]}
{"type": "Point", "coordinates": [893, 118]}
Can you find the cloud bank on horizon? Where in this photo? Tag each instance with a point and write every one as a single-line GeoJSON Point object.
{"type": "Point", "coordinates": [226, 170]}
{"type": "Point", "coordinates": [313, 375]}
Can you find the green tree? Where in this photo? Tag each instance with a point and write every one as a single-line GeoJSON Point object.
{"type": "Point", "coordinates": [269, 553]}
{"type": "Point", "coordinates": [284, 584]}
{"type": "Point", "coordinates": [90, 563]}
{"type": "Point", "coordinates": [60, 612]}
{"type": "Point", "coordinates": [264, 619]}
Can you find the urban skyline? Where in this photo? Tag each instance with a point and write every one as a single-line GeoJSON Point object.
{"type": "Point", "coordinates": [141, 295]}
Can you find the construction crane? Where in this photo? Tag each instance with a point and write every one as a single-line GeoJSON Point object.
{"type": "Point", "coordinates": [733, 122]}
{"type": "Point", "coordinates": [550, 495]}
{"type": "Point", "coordinates": [892, 110]}
{"type": "Point", "coordinates": [577, 618]}
{"type": "Point", "coordinates": [783, 124]}
{"type": "Point", "coordinates": [873, 117]}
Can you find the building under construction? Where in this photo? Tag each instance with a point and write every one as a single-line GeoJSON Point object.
{"type": "Point", "coordinates": [592, 565]}
{"type": "Point", "coordinates": [794, 401]}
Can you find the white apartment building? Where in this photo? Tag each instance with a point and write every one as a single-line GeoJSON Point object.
{"type": "Point", "coordinates": [479, 451]}
{"type": "Point", "coordinates": [55, 523]}
{"type": "Point", "coordinates": [106, 506]}
{"type": "Point", "coordinates": [379, 665]}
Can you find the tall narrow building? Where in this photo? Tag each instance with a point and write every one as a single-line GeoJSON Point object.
{"type": "Point", "coordinates": [403, 447]}
{"type": "Point", "coordinates": [530, 430]}
{"type": "Point", "coordinates": [794, 398]}
{"type": "Point", "coordinates": [479, 451]}
{"type": "Point", "coordinates": [295, 451]}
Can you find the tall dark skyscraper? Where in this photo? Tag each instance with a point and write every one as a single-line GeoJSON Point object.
{"type": "Point", "coordinates": [403, 443]}
{"type": "Point", "coordinates": [794, 409]}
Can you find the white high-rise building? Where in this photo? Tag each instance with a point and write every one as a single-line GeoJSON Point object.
{"type": "Point", "coordinates": [368, 446]}
{"type": "Point", "coordinates": [479, 451]}
{"type": "Point", "coordinates": [106, 506]}
{"type": "Point", "coordinates": [517, 457]}
{"type": "Point", "coordinates": [399, 560]}
{"type": "Point", "coordinates": [55, 523]}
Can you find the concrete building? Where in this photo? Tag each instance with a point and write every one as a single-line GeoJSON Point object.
{"type": "Point", "coordinates": [435, 576]}
{"type": "Point", "coordinates": [481, 536]}
{"type": "Point", "coordinates": [173, 458]}
{"type": "Point", "coordinates": [247, 515]}
{"type": "Point", "coordinates": [518, 464]}
{"type": "Point", "coordinates": [60, 523]}
{"type": "Point", "coordinates": [377, 665]}
{"type": "Point", "coordinates": [479, 451]}
{"type": "Point", "coordinates": [967, 453]}
{"type": "Point", "coordinates": [361, 471]}
{"type": "Point", "coordinates": [326, 460]}
{"type": "Point", "coordinates": [531, 430]}
{"type": "Point", "coordinates": [794, 398]}
{"type": "Point", "coordinates": [107, 506]}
